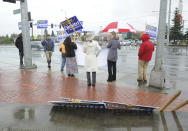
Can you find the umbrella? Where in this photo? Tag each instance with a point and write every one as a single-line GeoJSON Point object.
{"type": "Point", "coordinates": [120, 27]}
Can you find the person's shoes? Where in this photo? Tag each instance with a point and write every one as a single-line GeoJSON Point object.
{"type": "Point", "coordinates": [21, 66]}
{"type": "Point", "coordinates": [69, 75]}
{"type": "Point", "coordinates": [145, 81]}
{"type": "Point", "coordinates": [62, 70]}
{"type": "Point", "coordinates": [72, 75]}
{"type": "Point", "coordinates": [89, 85]}
{"type": "Point", "coordinates": [109, 80]}
{"type": "Point", "coordinates": [93, 85]}
{"type": "Point", "coordinates": [49, 67]}
{"type": "Point", "coordinates": [114, 80]}
{"type": "Point", "coordinates": [139, 80]}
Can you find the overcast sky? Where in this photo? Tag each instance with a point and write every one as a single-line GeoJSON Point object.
{"type": "Point", "coordinates": [96, 14]}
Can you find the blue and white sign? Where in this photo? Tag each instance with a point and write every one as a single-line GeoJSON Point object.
{"type": "Point", "coordinates": [59, 35]}
{"type": "Point", "coordinates": [65, 35]}
{"type": "Point", "coordinates": [20, 26]}
{"type": "Point", "coordinates": [75, 22]}
{"type": "Point", "coordinates": [152, 31]}
{"type": "Point", "coordinates": [42, 24]}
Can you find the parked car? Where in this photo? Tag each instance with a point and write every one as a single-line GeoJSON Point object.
{"type": "Point", "coordinates": [36, 45]}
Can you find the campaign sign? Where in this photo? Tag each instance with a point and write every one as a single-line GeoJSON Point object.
{"type": "Point", "coordinates": [42, 24]}
{"type": "Point", "coordinates": [152, 31]}
{"type": "Point", "coordinates": [59, 35]}
{"type": "Point", "coordinates": [75, 23]}
{"type": "Point", "coordinates": [20, 26]}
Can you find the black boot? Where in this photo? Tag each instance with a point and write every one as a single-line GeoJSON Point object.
{"type": "Point", "coordinates": [88, 78]}
{"type": "Point", "coordinates": [49, 64]}
{"type": "Point", "coordinates": [93, 79]}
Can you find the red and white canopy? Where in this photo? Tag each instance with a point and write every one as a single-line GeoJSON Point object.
{"type": "Point", "coordinates": [119, 27]}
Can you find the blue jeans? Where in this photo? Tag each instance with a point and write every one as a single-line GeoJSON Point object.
{"type": "Point", "coordinates": [63, 61]}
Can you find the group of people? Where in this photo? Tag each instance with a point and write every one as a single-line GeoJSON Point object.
{"type": "Point", "coordinates": [92, 49]}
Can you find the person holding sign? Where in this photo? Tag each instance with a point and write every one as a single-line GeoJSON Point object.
{"type": "Point", "coordinates": [48, 45]}
{"type": "Point", "coordinates": [71, 64]}
{"type": "Point", "coordinates": [91, 49]}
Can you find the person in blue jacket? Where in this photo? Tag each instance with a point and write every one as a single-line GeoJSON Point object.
{"type": "Point", "coordinates": [48, 45]}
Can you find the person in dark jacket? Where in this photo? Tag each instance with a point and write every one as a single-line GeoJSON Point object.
{"type": "Point", "coordinates": [145, 54]}
{"type": "Point", "coordinates": [113, 45]}
{"type": "Point", "coordinates": [71, 64]}
{"type": "Point", "coordinates": [19, 45]}
{"type": "Point", "coordinates": [48, 45]}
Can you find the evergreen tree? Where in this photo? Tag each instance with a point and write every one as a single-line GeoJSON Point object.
{"type": "Point", "coordinates": [186, 37]}
{"type": "Point", "coordinates": [176, 29]}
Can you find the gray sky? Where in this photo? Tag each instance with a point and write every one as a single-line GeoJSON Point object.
{"type": "Point", "coordinates": [95, 13]}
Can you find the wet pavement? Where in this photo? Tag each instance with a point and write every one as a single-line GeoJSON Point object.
{"type": "Point", "coordinates": [41, 85]}
{"type": "Point", "coordinates": [175, 65]}
{"type": "Point", "coordinates": [18, 117]}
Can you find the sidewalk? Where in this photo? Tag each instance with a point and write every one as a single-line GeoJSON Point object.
{"type": "Point", "coordinates": [33, 87]}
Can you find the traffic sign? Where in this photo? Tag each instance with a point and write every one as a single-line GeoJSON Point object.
{"type": "Point", "coordinates": [74, 22]}
{"type": "Point", "coordinates": [18, 11]}
{"type": "Point", "coordinates": [42, 24]}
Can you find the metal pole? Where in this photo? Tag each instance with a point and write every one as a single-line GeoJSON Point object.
{"type": "Point", "coordinates": [26, 36]}
{"type": "Point", "coordinates": [157, 77]}
{"type": "Point", "coordinates": [169, 19]}
{"type": "Point", "coordinates": [32, 32]}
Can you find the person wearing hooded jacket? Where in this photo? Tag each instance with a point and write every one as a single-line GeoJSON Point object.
{"type": "Point", "coordinates": [145, 54]}
{"type": "Point", "coordinates": [92, 49]}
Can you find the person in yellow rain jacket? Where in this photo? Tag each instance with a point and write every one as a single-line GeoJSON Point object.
{"type": "Point", "coordinates": [63, 54]}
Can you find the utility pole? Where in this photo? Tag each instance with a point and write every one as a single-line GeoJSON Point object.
{"type": "Point", "coordinates": [157, 77]}
{"type": "Point", "coordinates": [169, 19]}
{"type": "Point", "coordinates": [26, 36]}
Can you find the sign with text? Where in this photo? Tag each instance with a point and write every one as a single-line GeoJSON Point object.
{"type": "Point", "coordinates": [152, 31]}
{"type": "Point", "coordinates": [75, 23]}
{"type": "Point", "coordinates": [42, 24]}
{"type": "Point", "coordinates": [18, 11]}
{"type": "Point", "coordinates": [20, 26]}
{"type": "Point", "coordinates": [59, 35]}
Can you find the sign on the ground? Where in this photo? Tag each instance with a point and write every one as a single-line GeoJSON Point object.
{"type": "Point", "coordinates": [75, 23]}
{"type": "Point", "coordinates": [42, 24]}
{"type": "Point", "coordinates": [152, 31]}
{"type": "Point", "coordinates": [18, 11]}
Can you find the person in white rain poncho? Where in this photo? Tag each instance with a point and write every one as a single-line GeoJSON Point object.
{"type": "Point", "coordinates": [92, 49]}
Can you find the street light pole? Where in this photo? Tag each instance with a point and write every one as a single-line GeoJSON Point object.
{"type": "Point", "coordinates": [169, 18]}
{"type": "Point", "coordinates": [26, 36]}
{"type": "Point", "coordinates": [157, 77]}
